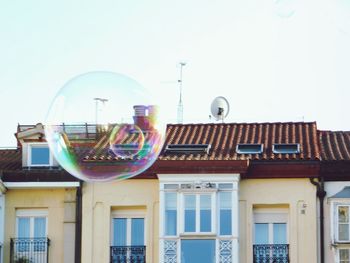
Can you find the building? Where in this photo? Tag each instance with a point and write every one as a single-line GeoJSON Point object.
{"type": "Point", "coordinates": [38, 203]}
{"type": "Point", "coordinates": [240, 192]}
{"type": "Point", "coordinates": [335, 172]}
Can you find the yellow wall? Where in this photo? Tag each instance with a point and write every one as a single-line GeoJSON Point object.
{"type": "Point", "coordinates": [58, 202]}
{"type": "Point", "coordinates": [100, 199]}
{"type": "Point", "coordinates": [291, 193]}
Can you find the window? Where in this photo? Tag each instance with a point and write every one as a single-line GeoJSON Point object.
{"type": "Point", "coordinates": [198, 213]}
{"type": "Point", "coordinates": [128, 236]}
{"type": "Point", "coordinates": [128, 231]}
{"type": "Point", "coordinates": [270, 226]}
{"type": "Point", "coordinates": [225, 215]}
{"type": "Point", "coordinates": [249, 148]}
{"type": "Point", "coordinates": [188, 148]}
{"type": "Point", "coordinates": [199, 218]}
{"type": "Point", "coordinates": [285, 148]}
{"type": "Point", "coordinates": [171, 214]}
{"type": "Point", "coordinates": [344, 255]}
{"type": "Point", "coordinates": [343, 222]}
{"type": "Point", "coordinates": [31, 230]}
{"type": "Point", "coordinates": [270, 233]}
{"type": "Point", "coordinates": [198, 251]}
{"type": "Point", "coordinates": [39, 155]}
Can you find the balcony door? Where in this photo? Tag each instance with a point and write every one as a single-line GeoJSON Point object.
{"type": "Point", "coordinates": [270, 233]}
{"type": "Point", "coordinates": [128, 238]}
{"type": "Point", "coordinates": [31, 241]}
{"type": "Point", "coordinates": [271, 236]}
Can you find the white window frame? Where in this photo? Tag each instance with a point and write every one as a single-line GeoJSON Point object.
{"type": "Point", "coordinates": [29, 154]}
{"type": "Point", "coordinates": [32, 213]}
{"type": "Point", "coordinates": [271, 216]}
{"type": "Point", "coordinates": [197, 194]}
{"type": "Point", "coordinates": [336, 227]}
{"type": "Point", "coordinates": [128, 215]}
{"type": "Point", "coordinates": [338, 253]}
{"type": "Point", "coordinates": [198, 184]}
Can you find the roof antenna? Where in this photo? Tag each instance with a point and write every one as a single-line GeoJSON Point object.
{"type": "Point", "coordinates": [180, 107]}
{"type": "Point", "coordinates": [97, 100]}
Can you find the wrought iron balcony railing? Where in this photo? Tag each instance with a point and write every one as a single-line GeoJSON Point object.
{"type": "Point", "coordinates": [29, 250]}
{"type": "Point", "coordinates": [128, 254]}
{"type": "Point", "coordinates": [271, 253]}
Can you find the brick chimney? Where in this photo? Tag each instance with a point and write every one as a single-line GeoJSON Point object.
{"type": "Point", "coordinates": [141, 119]}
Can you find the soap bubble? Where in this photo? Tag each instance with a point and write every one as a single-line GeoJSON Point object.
{"type": "Point", "coordinates": [285, 8]}
{"type": "Point", "coordinates": [104, 126]}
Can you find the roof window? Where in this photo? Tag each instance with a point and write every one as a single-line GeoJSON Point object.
{"type": "Point", "coordinates": [285, 148]}
{"type": "Point", "coordinates": [249, 148]}
{"type": "Point", "coordinates": [188, 148]}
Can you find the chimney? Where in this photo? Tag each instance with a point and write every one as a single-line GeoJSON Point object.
{"type": "Point", "coordinates": [140, 118]}
{"type": "Point", "coordinates": [152, 115]}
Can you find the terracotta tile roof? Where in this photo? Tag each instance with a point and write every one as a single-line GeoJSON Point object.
{"type": "Point", "coordinates": [10, 159]}
{"type": "Point", "coordinates": [224, 138]}
{"type": "Point", "coordinates": [335, 145]}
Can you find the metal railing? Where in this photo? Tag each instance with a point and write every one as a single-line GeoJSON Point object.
{"type": "Point", "coordinates": [128, 254]}
{"type": "Point", "coordinates": [29, 250]}
{"type": "Point", "coordinates": [271, 253]}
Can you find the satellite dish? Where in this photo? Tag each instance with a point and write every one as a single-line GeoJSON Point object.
{"type": "Point", "coordinates": [220, 108]}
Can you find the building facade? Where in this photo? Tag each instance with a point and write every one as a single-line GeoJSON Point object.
{"type": "Point", "coordinates": [218, 193]}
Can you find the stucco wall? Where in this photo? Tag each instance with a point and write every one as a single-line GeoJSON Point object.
{"type": "Point", "coordinates": [100, 199]}
{"type": "Point", "coordinates": [60, 204]}
{"type": "Point", "coordinates": [294, 194]}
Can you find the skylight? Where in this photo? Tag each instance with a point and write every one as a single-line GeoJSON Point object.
{"type": "Point", "coordinates": [188, 148]}
{"type": "Point", "coordinates": [249, 148]}
{"type": "Point", "coordinates": [285, 148]}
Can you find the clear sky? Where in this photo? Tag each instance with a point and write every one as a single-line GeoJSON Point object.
{"type": "Point", "coordinates": [274, 60]}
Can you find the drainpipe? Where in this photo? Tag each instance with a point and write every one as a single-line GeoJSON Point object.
{"type": "Point", "coordinates": [320, 193]}
{"type": "Point", "coordinates": [78, 223]}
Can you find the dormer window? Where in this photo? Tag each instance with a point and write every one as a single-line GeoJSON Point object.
{"type": "Point", "coordinates": [39, 155]}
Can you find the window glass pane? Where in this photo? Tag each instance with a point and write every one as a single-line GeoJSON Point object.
{"type": "Point", "coordinates": [343, 231]}
{"type": "Point", "coordinates": [40, 155]}
{"type": "Point", "coordinates": [205, 213]}
{"type": "Point", "coordinates": [119, 231]}
{"type": "Point", "coordinates": [170, 214]}
{"type": "Point", "coordinates": [23, 227]}
{"type": "Point", "coordinates": [343, 214]}
{"type": "Point", "coordinates": [40, 227]}
{"type": "Point", "coordinates": [197, 251]}
{"type": "Point", "coordinates": [261, 234]}
{"type": "Point", "coordinates": [344, 255]}
{"type": "Point", "coordinates": [190, 213]}
{"type": "Point", "coordinates": [39, 232]}
{"type": "Point", "coordinates": [225, 186]}
{"type": "Point", "coordinates": [280, 233]}
{"type": "Point", "coordinates": [225, 206]}
{"type": "Point", "coordinates": [137, 232]}
{"type": "Point", "coordinates": [23, 232]}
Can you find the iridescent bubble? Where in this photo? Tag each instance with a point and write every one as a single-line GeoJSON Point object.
{"type": "Point", "coordinates": [285, 8]}
{"type": "Point", "coordinates": [104, 126]}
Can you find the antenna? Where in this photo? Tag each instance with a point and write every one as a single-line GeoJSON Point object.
{"type": "Point", "coordinates": [180, 107]}
{"type": "Point", "coordinates": [97, 100]}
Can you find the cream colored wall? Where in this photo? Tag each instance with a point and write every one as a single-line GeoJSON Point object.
{"type": "Point", "coordinates": [293, 193]}
{"type": "Point", "coordinates": [61, 211]}
{"type": "Point", "coordinates": [99, 199]}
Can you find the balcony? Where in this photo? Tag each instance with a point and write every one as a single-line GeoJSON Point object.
{"type": "Point", "coordinates": [29, 250]}
{"type": "Point", "coordinates": [128, 254]}
{"type": "Point", "coordinates": [271, 253]}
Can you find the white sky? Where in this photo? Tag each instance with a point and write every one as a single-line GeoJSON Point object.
{"type": "Point", "coordinates": [274, 60]}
